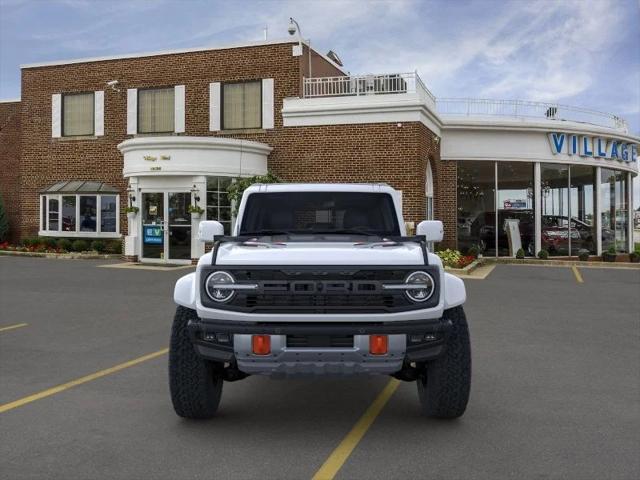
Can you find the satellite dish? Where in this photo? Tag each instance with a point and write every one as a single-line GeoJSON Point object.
{"type": "Point", "coordinates": [334, 57]}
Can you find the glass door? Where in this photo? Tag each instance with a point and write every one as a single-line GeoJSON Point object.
{"type": "Point", "coordinates": [166, 227]}
{"type": "Point", "coordinates": [153, 215]}
{"type": "Point", "coordinates": [179, 244]}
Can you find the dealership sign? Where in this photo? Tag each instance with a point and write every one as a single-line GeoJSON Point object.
{"type": "Point", "coordinates": [597, 147]}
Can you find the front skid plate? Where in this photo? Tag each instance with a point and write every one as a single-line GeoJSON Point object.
{"type": "Point", "coordinates": [286, 361]}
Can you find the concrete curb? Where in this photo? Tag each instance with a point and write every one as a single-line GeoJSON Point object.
{"type": "Point", "coordinates": [64, 256]}
{"type": "Point", "coordinates": [562, 263]}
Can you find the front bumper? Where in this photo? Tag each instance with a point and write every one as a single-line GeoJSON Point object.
{"type": "Point", "coordinates": [230, 342]}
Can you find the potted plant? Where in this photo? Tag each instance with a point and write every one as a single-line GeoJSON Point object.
{"type": "Point", "coordinates": [195, 211]}
{"type": "Point", "coordinates": [610, 255]}
{"type": "Point", "coordinates": [131, 212]}
{"type": "Point", "coordinates": [634, 256]}
{"type": "Point", "coordinates": [583, 255]}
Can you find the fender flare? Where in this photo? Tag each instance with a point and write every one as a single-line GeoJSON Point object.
{"type": "Point", "coordinates": [455, 292]}
{"type": "Point", "coordinates": [184, 293]}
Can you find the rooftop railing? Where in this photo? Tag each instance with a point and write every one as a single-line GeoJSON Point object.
{"type": "Point", "coordinates": [357, 85]}
{"type": "Point", "coordinates": [398, 83]}
{"type": "Point", "coordinates": [473, 107]}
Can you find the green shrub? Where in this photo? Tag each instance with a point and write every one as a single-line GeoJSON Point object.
{"type": "Point", "coordinates": [29, 242]}
{"type": "Point", "coordinates": [583, 254]}
{"type": "Point", "coordinates": [79, 245]}
{"type": "Point", "coordinates": [49, 242]}
{"type": "Point", "coordinates": [114, 246]}
{"type": "Point", "coordinates": [543, 254]}
{"type": "Point", "coordinates": [611, 249]}
{"type": "Point", "coordinates": [450, 258]}
{"type": "Point", "coordinates": [520, 253]}
{"type": "Point", "coordinates": [98, 245]}
{"type": "Point", "coordinates": [64, 244]}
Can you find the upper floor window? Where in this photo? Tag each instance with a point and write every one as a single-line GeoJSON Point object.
{"type": "Point", "coordinates": [242, 105]}
{"type": "Point", "coordinates": [78, 114]}
{"type": "Point", "coordinates": [156, 110]}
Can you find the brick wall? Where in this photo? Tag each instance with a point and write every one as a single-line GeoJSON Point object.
{"type": "Point", "coordinates": [339, 153]}
{"type": "Point", "coordinates": [10, 163]}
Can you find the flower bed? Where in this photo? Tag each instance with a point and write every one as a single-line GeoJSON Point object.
{"type": "Point", "coordinates": [63, 245]}
{"type": "Point", "coordinates": [454, 259]}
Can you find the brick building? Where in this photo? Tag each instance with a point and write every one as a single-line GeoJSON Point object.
{"type": "Point", "coordinates": [168, 130]}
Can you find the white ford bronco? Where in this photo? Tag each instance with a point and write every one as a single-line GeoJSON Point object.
{"type": "Point", "coordinates": [320, 279]}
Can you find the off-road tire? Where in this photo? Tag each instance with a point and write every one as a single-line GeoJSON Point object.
{"type": "Point", "coordinates": [444, 383]}
{"type": "Point", "coordinates": [195, 383]}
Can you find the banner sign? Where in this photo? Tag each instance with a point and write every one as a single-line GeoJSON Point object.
{"type": "Point", "coordinates": [153, 235]}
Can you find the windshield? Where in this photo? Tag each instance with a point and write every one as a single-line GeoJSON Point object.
{"type": "Point", "coordinates": [350, 213]}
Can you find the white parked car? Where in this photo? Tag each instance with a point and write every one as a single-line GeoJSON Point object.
{"type": "Point", "coordinates": [320, 279]}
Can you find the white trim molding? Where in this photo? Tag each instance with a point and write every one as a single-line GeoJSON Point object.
{"type": "Point", "coordinates": [184, 155]}
{"type": "Point", "coordinates": [396, 108]}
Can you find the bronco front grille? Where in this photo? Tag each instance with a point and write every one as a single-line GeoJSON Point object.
{"type": "Point", "coordinates": [320, 289]}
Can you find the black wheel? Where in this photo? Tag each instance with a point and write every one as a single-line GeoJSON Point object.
{"type": "Point", "coordinates": [444, 384]}
{"type": "Point", "coordinates": [195, 383]}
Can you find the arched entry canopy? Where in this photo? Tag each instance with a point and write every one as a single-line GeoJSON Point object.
{"type": "Point", "coordinates": [167, 176]}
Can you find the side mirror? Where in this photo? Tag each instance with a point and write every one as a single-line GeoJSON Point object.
{"type": "Point", "coordinates": [432, 230]}
{"type": "Point", "coordinates": [209, 229]}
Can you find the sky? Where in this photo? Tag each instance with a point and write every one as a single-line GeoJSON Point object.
{"type": "Point", "coordinates": [577, 52]}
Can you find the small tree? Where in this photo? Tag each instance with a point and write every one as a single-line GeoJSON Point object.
{"type": "Point", "coordinates": [237, 188]}
{"type": "Point", "coordinates": [4, 223]}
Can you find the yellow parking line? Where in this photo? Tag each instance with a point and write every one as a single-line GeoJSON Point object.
{"type": "Point", "coordinates": [11, 327]}
{"type": "Point", "coordinates": [334, 463]}
{"type": "Point", "coordinates": [577, 274]}
{"type": "Point", "coordinates": [79, 381]}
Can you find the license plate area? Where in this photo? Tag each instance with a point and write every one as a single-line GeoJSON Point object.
{"type": "Point", "coordinates": [319, 341]}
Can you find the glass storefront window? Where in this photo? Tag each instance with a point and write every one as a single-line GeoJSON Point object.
{"type": "Point", "coordinates": [108, 220]}
{"type": "Point", "coordinates": [218, 203]}
{"type": "Point", "coordinates": [582, 206]}
{"type": "Point", "coordinates": [516, 220]}
{"type": "Point", "coordinates": [554, 190]}
{"type": "Point", "coordinates": [88, 213]}
{"type": "Point", "coordinates": [53, 213]}
{"type": "Point", "coordinates": [476, 206]}
{"type": "Point", "coordinates": [614, 210]}
{"type": "Point", "coordinates": [69, 213]}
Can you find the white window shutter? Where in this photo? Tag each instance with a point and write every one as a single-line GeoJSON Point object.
{"type": "Point", "coordinates": [179, 100]}
{"type": "Point", "coordinates": [267, 103]}
{"type": "Point", "coordinates": [56, 115]}
{"type": "Point", "coordinates": [132, 111]}
{"type": "Point", "coordinates": [98, 112]}
{"type": "Point", "coordinates": [214, 106]}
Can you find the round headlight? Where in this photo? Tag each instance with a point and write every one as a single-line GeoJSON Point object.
{"type": "Point", "coordinates": [215, 286]}
{"type": "Point", "coordinates": [425, 286]}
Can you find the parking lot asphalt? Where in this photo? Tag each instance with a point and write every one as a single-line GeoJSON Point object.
{"type": "Point", "coordinates": [555, 391]}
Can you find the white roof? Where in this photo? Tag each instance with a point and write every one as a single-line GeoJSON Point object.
{"type": "Point", "coordinates": [320, 187]}
{"type": "Point", "coordinates": [173, 52]}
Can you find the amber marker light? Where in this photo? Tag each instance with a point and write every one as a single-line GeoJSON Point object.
{"type": "Point", "coordinates": [261, 344]}
{"type": "Point", "coordinates": [378, 344]}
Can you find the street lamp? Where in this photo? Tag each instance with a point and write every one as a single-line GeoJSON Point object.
{"type": "Point", "coordinates": [293, 28]}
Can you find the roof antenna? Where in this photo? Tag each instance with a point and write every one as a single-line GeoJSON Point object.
{"type": "Point", "coordinates": [266, 32]}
